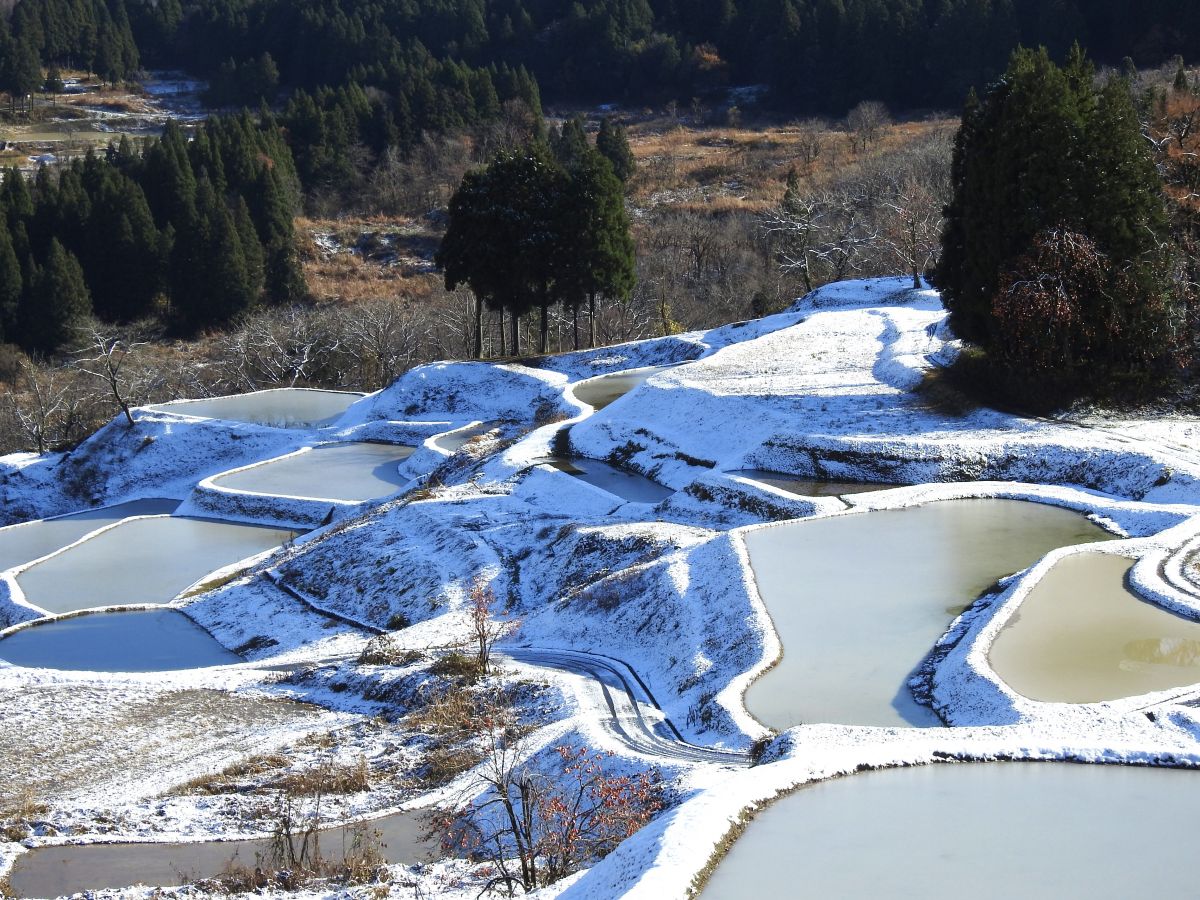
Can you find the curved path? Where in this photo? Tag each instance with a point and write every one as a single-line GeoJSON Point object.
{"type": "Point", "coordinates": [624, 704]}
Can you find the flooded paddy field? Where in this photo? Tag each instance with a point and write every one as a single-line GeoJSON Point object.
{"type": "Point", "coordinates": [278, 407]}
{"type": "Point", "coordinates": [20, 544]}
{"type": "Point", "coordinates": [810, 487]}
{"type": "Point", "coordinates": [60, 871]}
{"type": "Point", "coordinates": [603, 390]}
{"type": "Point", "coordinates": [859, 600]}
{"type": "Point", "coordinates": [148, 560]}
{"type": "Point", "coordinates": [981, 830]}
{"type": "Point", "coordinates": [621, 483]}
{"type": "Point", "coordinates": [153, 640]}
{"type": "Point", "coordinates": [350, 472]}
{"type": "Point", "coordinates": [1082, 636]}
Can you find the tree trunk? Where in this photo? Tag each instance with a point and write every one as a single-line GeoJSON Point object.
{"type": "Point", "coordinates": [516, 334]}
{"type": "Point", "coordinates": [575, 325]}
{"type": "Point", "coordinates": [544, 343]}
{"type": "Point", "coordinates": [916, 279]}
{"type": "Point", "coordinates": [592, 320]}
{"type": "Point", "coordinates": [503, 349]}
{"type": "Point", "coordinates": [478, 328]}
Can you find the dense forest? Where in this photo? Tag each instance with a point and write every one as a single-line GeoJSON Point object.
{"type": "Point", "coordinates": [432, 58]}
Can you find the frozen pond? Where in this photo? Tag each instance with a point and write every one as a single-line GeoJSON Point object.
{"type": "Point", "coordinates": [279, 407]}
{"type": "Point", "coordinates": [61, 871]}
{"type": "Point", "coordinates": [352, 472]}
{"type": "Point", "coordinates": [859, 600]}
{"type": "Point", "coordinates": [807, 487]}
{"type": "Point", "coordinates": [978, 830]}
{"type": "Point", "coordinates": [626, 485]}
{"type": "Point", "coordinates": [1081, 636]}
{"type": "Point", "coordinates": [20, 544]}
{"type": "Point", "coordinates": [149, 560]}
{"type": "Point", "coordinates": [599, 392]}
{"type": "Point", "coordinates": [154, 640]}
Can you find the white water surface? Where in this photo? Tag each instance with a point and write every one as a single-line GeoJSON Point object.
{"type": "Point", "coordinates": [147, 560]}
{"type": "Point", "coordinates": [20, 544]}
{"type": "Point", "coordinates": [279, 407]}
{"type": "Point", "coordinates": [985, 831]}
{"type": "Point", "coordinates": [351, 472]}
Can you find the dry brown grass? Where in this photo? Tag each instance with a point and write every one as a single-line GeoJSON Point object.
{"type": "Point", "coordinates": [730, 169]}
{"type": "Point", "coordinates": [328, 778]}
{"type": "Point", "coordinates": [229, 778]}
{"type": "Point", "coordinates": [16, 812]}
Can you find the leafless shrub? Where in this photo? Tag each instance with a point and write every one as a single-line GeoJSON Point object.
{"type": "Point", "coordinates": [866, 122]}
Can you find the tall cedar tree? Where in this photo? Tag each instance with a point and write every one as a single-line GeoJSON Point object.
{"type": "Point", "coordinates": [613, 144]}
{"type": "Point", "coordinates": [1044, 153]}
{"type": "Point", "coordinates": [56, 304]}
{"type": "Point", "coordinates": [503, 232]}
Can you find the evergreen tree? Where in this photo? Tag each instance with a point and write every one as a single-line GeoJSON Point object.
{"type": "Point", "coordinates": [1046, 164]}
{"type": "Point", "coordinates": [57, 303]}
{"type": "Point", "coordinates": [613, 144]}
{"type": "Point", "coordinates": [10, 287]}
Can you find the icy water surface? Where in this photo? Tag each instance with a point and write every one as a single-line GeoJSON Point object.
{"type": "Point", "coordinates": [24, 543]}
{"type": "Point", "coordinates": [155, 640]}
{"type": "Point", "coordinates": [626, 485]}
{"type": "Point", "coordinates": [149, 560]}
{"type": "Point", "coordinates": [601, 391]}
{"type": "Point", "coordinates": [859, 600]}
{"type": "Point", "coordinates": [59, 871]}
{"type": "Point", "coordinates": [987, 831]}
{"type": "Point", "coordinates": [807, 487]}
{"type": "Point", "coordinates": [452, 441]}
{"type": "Point", "coordinates": [1081, 636]}
{"type": "Point", "coordinates": [279, 407]}
{"type": "Point", "coordinates": [353, 472]}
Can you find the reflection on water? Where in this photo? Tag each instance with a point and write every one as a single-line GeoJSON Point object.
{"type": "Point", "coordinates": [600, 392]}
{"type": "Point", "coordinates": [452, 441]}
{"type": "Point", "coordinates": [859, 600]}
{"type": "Point", "coordinates": [806, 487]}
{"type": "Point", "coordinates": [987, 831]}
{"type": "Point", "coordinates": [352, 472]}
{"type": "Point", "coordinates": [1081, 636]}
{"type": "Point", "coordinates": [142, 561]}
{"type": "Point", "coordinates": [156, 640]}
{"type": "Point", "coordinates": [626, 485]}
{"type": "Point", "coordinates": [62, 871]}
{"type": "Point", "coordinates": [280, 407]}
{"type": "Point", "coordinates": [24, 543]}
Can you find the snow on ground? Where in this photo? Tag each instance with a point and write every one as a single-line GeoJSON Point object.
{"type": "Point", "coordinates": [826, 390]}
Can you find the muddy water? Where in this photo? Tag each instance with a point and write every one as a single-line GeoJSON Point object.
{"type": "Point", "coordinates": [157, 640]}
{"type": "Point", "coordinates": [1081, 636]}
{"type": "Point", "coordinates": [806, 487]}
{"type": "Point", "coordinates": [353, 472]}
{"type": "Point", "coordinates": [59, 871]}
{"type": "Point", "coordinates": [600, 392]}
{"type": "Point", "coordinates": [988, 831]}
{"type": "Point", "coordinates": [859, 600]}
{"type": "Point", "coordinates": [142, 561]}
{"type": "Point", "coordinates": [280, 407]}
{"type": "Point", "coordinates": [24, 543]}
{"type": "Point", "coordinates": [626, 485]}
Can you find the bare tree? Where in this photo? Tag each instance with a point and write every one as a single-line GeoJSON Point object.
{"type": "Point", "coordinates": [533, 829]}
{"type": "Point", "coordinates": [486, 629]}
{"type": "Point", "coordinates": [108, 364]}
{"type": "Point", "coordinates": [912, 228]}
{"type": "Point", "coordinates": [866, 122]}
{"type": "Point", "coordinates": [40, 420]}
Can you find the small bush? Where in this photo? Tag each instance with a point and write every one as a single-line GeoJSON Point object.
{"type": "Point", "coordinates": [398, 622]}
{"type": "Point", "coordinates": [380, 651]}
{"type": "Point", "coordinates": [456, 665]}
